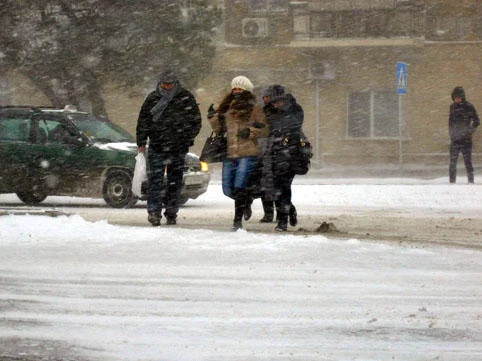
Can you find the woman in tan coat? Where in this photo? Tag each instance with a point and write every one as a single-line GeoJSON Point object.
{"type": "Point", "coordinates": [244, 122]}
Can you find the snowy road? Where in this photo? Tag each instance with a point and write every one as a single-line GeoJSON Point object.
{"type": "Point", "coordinates": [74, 288]}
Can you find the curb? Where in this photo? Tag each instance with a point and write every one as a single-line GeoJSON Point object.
{"type": "Point", "coordinates": [32, 212]}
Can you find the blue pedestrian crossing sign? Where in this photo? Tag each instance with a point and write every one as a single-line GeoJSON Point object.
{"type": "Point", "coordinates": [401, 78]}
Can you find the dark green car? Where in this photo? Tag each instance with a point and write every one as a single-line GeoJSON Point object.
{"type": "Point", "coordinates": [47, 151]}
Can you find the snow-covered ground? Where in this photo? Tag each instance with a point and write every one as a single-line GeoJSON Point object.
{"type": "Point", "coordinates": [92, 290]}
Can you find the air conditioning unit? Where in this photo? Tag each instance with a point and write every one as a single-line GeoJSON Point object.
{"type": "Point", "coordinates": [255, 27]}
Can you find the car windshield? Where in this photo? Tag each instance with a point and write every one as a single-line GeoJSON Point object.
{"type": "Point", "coordinates": [100, 130]}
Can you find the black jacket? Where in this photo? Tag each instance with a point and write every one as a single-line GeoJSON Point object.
{"type": "Point", "coordinates": [177, 127]}
{"type": "Point", "coordinates": [286, 121]}
{"type": "Point", "coordinates": [463, 121]}
{"type": "Point", "coordinates": [286, 129]}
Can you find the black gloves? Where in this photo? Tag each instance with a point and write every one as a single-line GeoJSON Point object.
{"type": "Point", "coordinates": [244, 133]}
{"type": "Point", "coordinates": [211, 111]}
{"type": "Point", "coordinates": [276, 133]}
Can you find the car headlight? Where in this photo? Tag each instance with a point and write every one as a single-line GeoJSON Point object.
{"type": "Point", "coordinates": [204, 167]}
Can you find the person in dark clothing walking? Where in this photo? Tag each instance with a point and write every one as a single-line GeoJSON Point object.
{"type": "Point", "coordinates": [268, 109]}
{"type": "Point", "coordinates": [269, 204]}
{"type": "Point", "coordinates": [285, 120]}
{"type": "Point", "coordinates": [463, 122]}
{"type": "Point", "coordinates": [168, 122]}
{"type": "Point", "coordinates": [254, 184]}
{"type": "Point", "coordinates": [244, 122]}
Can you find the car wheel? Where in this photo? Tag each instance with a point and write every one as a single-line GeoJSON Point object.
{"type": "Point", "coordinates": [33, 193]}
{"type": "Point", "coordinates": [117, 190]}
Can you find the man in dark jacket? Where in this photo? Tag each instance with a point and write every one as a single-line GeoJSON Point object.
{"type": "Point", "coordinates": [463, 122]}
{"type": "Point", "coordinates": [169, 120]}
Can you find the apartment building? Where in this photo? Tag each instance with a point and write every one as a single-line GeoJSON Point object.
{"type": "Point", "coordinates": [339, 58]}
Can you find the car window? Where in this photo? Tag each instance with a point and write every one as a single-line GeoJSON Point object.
{"type": "Point", "coordinates": [100, 130]}
{"type": "Point", "coordinates": [52, 131]}
{"type": "Point", "coordinates": [15, 129]}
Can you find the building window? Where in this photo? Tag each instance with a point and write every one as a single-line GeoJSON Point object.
{"type": "Point", "coordinates": [400, 24]}
{"type": "Point", "coordinates": [278, 5]}
{"type": "Point", "coordinates": [353, 24]}
{"type": "Point", "coordinates": [379, 23]}
{"type": "Point", "coordinates": [454, 28]}
{"type": "Point", "coordinates": [323, 25]}
{"type": "Point", "coordinates": [373, 114]}
{"type": "Point", "coordinates": [271, 5]}
{"type": "Point", "coordinates": [259, 5]}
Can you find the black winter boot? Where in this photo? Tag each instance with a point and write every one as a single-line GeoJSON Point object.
{"type": "Point", "coordinates": [470, 176]}
{"type": "Point", "coordinates": [282, 225]}
{"type": "Point", "coordinates": [154, 218]}
{"type": "Point", "coordinates": [268, 209]}
{"type": "Point", "coordinates": [170, 218]}
{"type": "Point", "coordinates": [247, 207]}
{"type": "Point", "coordinates": [239, 206]}
{"type": "Point", "coordinates": [293, 216]}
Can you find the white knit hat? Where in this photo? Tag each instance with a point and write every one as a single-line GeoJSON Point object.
{"type": "Point", "coordinates": [242, 82]}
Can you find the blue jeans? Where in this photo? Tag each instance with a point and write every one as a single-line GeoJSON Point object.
{"type": "Point", "coordinates": [236, 172]}
{"type": "Point", "coordinates": [174, 165]}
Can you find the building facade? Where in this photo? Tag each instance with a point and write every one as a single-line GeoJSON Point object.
{"type": "Point", "coordinates": [339, 59]}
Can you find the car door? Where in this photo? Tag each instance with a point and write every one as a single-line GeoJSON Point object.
{"type": "Point", "coordinates": [60, 154]}
{"type": "Point", "coordinates": [15, 141]}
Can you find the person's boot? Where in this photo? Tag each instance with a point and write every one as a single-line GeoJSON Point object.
{"type": "Point", "coordinates": [238, 215]}
{"type": "Point", "coordinates": [452, 175]}
{"type": "Point", "coordinates": [470, 176]}
{"type": "Point", "coordinates": [293, 216]}
{"type": "Point", "coordinates": [268, 212]}
{"type": "Point", "coordinates": [282, 225]}
{"type": "Point", "coordinates": [266, 219]}
{"type": "Point", "coordinates": [248, 212]}
{"type": "Point", "coordinates": [239, 205]}
{"type": "Point", "coordinates": [170, 219]}
{"type": "Point", "coordinates": [154, 218]}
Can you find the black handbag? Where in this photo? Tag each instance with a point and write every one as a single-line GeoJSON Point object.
{"type": "Point", "coordinates": [301, 153]}
{"type": "Point", "coordinates": [215, 148]}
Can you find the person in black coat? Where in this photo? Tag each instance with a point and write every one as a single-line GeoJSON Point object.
{"type": "Point", "coordinates": [285, 120]}
{"type": "Point", "coordinates": [169, 120]}
{"type": "Point", "coordinates": [463, 122]}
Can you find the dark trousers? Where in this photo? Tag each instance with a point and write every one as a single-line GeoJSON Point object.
{"type": "Point", "coordinates": [173, 165]}
{"type": "Point", "coordinates": [282, 185]}
{"type": "Point", "coordinates": [463, 146]}
{"type": "Point", "coordinates": [268, 207]}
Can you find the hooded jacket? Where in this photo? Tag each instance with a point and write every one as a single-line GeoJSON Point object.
{"type": "Point", "coordinates": [463, 118]}
{"type": "Point", "coordinates": [286, 124]}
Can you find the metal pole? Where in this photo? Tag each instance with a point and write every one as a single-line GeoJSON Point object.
{"type": "Point", "coordinates": [317, 124]}
{"type": "Point", "coordinates": [400, 131]}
